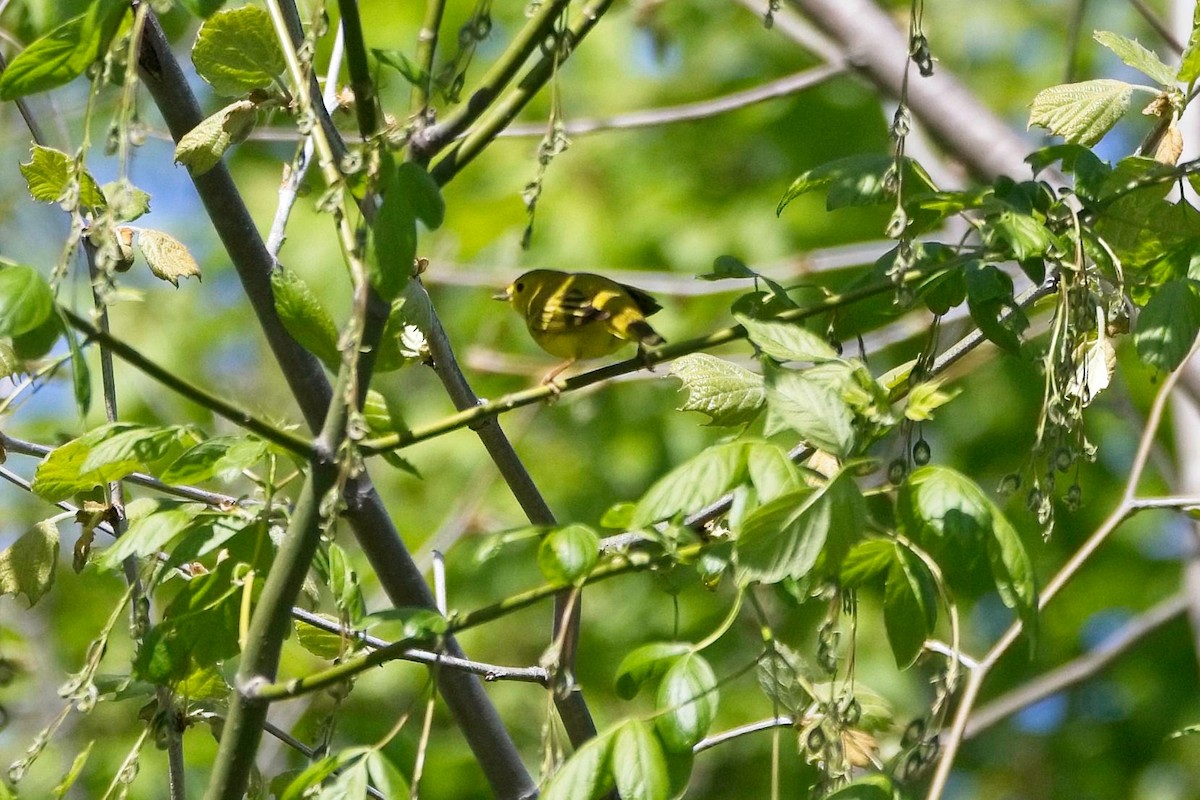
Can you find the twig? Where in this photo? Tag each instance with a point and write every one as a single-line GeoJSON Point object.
{"type": "Point", "coordinates": [1080, 669]}
{"type": "Point", "coordinates": [360, 73]}
{"type": "Point", "coordinates": [202, 397]}
{"type": "Point", "coordinates": [427, 42]}
{"type": "Point", "coordinates": [1158, 25]}
{"type": "Point", "coordinates": [688, 112]}
{"type": "Point", "coordinates": [1127, 505]}
{"type": "Point", "coordinates": [742, 730]}
{"type": "Point", "coordinates": [489, 672]}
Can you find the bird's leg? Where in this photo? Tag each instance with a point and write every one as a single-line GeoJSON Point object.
{"type": "Point", "coordinates": [556, 388]}
{"type": "Point", "coordinates": [644, 355]}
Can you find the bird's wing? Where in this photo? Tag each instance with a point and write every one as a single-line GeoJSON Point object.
{"type": "Point", "coordinates": [645, 303]}
{"type": "Point", "coordinates": [570, 308]}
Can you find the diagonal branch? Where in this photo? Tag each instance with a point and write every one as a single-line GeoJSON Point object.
{"type": "Point", "coordinates": [369, 519]}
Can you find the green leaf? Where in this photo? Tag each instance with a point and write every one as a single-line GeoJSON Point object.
{"type": "Point", "coordinates": [860, 180]}
{"type": "Point", "coordinates": [38, 343]}
{"type": "Point", "coordinates": [149, 534]}
{"type": "Point", "coordinates": [586, 774]}
{"type": "Point", "coordinates": [785, 537]}
{"type": "Point", "coordinates": [866, 562]}
{"type": "Point", "coordinates": [726, 393]}
{"type": "Point", "coordinates": [305, 319]}
{"type": "Point", "coordinates": [407, 622]}
{"type": "Point", "coordinates": [638, 764]}
{"type": "Point", "coordinates": [221, 456]}
{"type": "Point", "coordinates": [1020, 235]}
{"type": "Point", "coordinates": [199, 628]}
{"type": "Point", "coordinates": [693, 484]}
{"type": "Point", "coordinates": [236, 51]}
{"type": "Point", "coordinates": [25, 300]}
{"type": "Point", "coordinates": [869, 787]}
{"type": "Point", "coordinates": [423, 193]}
{"type": "Point", "coordinates": [726, 266]}
{"type": "Point", "coordinates": [320, 642]}
{"type": "Point", "coordinates": [27, 566]}
{"type": "Point", "coordinates": [1012, 570]}
{"type": "Point", "coordinates": [1189, 64]}
{"type": "Point", "coordinates": [566, 555]}
{"type": "Point", "coordinates": [1166, 328]}
{"type": "Point", "coordinates": [92, 459]}
{"type": "Point", "coordinates": [402, 64]}
{"type": "Point", "coordinates": [73, 773]}
{"type": "Point", "coordinates": [50, 173]}
{"type": "Point", "coordinates": [168, 257]}
{"type": "Point", "coordinates": [990, 299]}
{"type": "Point", "coordinates": [81, 380]}
{"type": "Point", "coordinates": [10, 364]}
{"type": "Point", "coordinates": [771, 471]}
{"type": "Point", "coordinates": [126, 201]}
{"type": "Point", "coordinates": [64, 53]}
{"type": "Point", "coordinates": [384, 776]}
{"type": "Point", "coordinates": [394, 240]}
{"type": "Point", "coordinates": [349, 784]}
{"type": "Point", "coordinates": [1081, 112]}
{"type": "Point", "coordinates": [201, 148]}
{"type": "Point", "coordinates": [312, 776]}
{"type": "Point", "coordinates": [909, 606]}
{"type": "Point", "coordinates": [787, 341]}
{"type": "Point", "coordinates": [815, 411]}
{"type": "Point", "coordinates": [686, 703]}
{"type": "Point", "coordinates": [1137, 56]}
{"type": "Point", "coordinates": [926, 397]}
{"type": "Point", "coordinates": [939, 504]}
{"type": "Point", "coordinates": [646, 664]}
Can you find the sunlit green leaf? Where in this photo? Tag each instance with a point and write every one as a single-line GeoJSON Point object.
{"type": "Point", "coordinates": [646, 664]}
{"type": "Point", "coordinates": [148, 535]}
{"type": "Point", "coordinates": [728, 394]}
{"type": "Point", "coordinates": [27, 566]}
{"type": "Point", "coordinates": [566, 555]}
{"type": "Point", "coordinates": [304, 317]}
{"type": "Point", "coordinates": [813, 410]}
{"type": "Point", "coordinates": [64, 53]}
{"type": "Point", "coordinates": [587, 774]}
{"type": "Point", "coordinates": [394, 240]}
{"type": "Point", "coordinates": [1135, 55]}
{"type": "Point", "coordinates": [1166, 328]}
{"type": "Point", "coordinates": [638, 764]}
{"type": "Point", "coordinates": [1081, 112]}
{"type": "Point", "coordinates": [201, 148]}
{"type": "Point", "coordinates": [693, 484]}
{"type": "Point", "coordinates": [49, 174]}
{"type": "Point", "coordinates": [786, 341]}
{"type": "Point", "coordinates": [25, 300]}
{"type": "Point", "coordinates": [686, 703]}
{"type": "Point", "coordinates": [236, 51]}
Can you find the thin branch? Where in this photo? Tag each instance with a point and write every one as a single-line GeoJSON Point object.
{"type": "Point", "coordinates": [365, 106]}
{"type": "Point", "coordinates": [1158, 25]}
{"type": "Point", "coordinates": [742, 730]}
{"type": "Point", "coordinates": [427, 42]}
{"type": "Point", "coordinates": [687, 112]}
{"type": "Point", "coordinates": [1079, 670]}
{"type": "Point", "coordinates": [489, 672]}
{"type": "Point", "coordinates": [242, 418]}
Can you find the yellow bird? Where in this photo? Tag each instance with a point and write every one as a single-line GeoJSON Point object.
{"type": "Point", "coordinates": [578, 315]}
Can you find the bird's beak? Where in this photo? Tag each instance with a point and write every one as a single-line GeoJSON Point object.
{"type": "Point", "coordinates": [501, 295]}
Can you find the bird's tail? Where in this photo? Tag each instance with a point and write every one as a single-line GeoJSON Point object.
{"type": "Point", "coordinates": [644, 334]}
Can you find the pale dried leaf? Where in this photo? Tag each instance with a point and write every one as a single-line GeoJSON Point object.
{"type": "Point", "coordinates": [168, 258]}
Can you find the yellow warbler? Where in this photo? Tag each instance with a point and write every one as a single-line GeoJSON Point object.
{"type": "Point", "coordinates": [576, 315]}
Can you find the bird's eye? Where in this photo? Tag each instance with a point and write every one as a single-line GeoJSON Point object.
{"type": "Point", "coordinates": [520, 287]}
